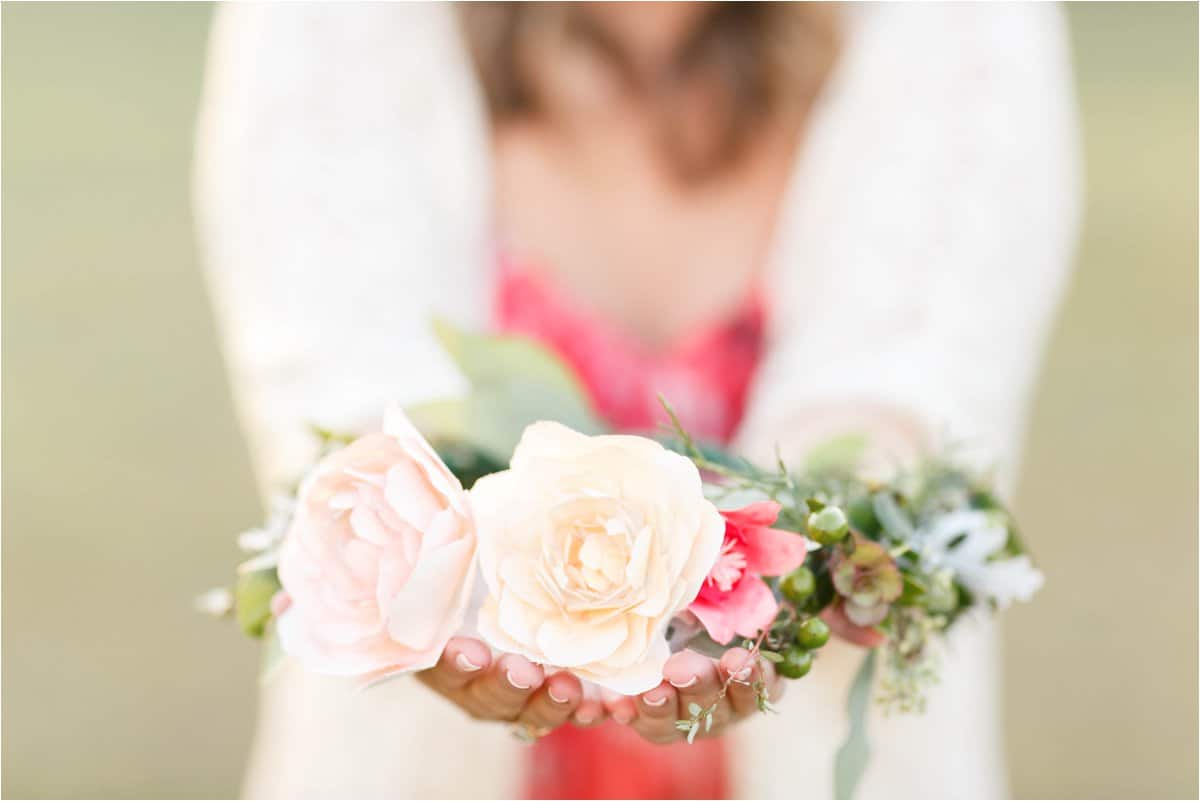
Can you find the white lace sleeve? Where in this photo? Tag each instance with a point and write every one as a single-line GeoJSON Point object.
{"type": "Point", "coordinates": [340, 193]}
{"type": "Point", "coordinates": [928, 239]}
{"type": "Point", "coordinates": [929, 234]}
{"type": "Point", "coordinates": [342, 197]}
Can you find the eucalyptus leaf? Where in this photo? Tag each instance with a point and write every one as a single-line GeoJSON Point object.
{"type": "Point", "coordinates": [841, 454]}
{"type": "Point", "coordinates": [850, 762]}
{"type": "Point", "coordinates": [893, 519]}
{"type": "Point", "coordinates": [862, 516]}
{"type": "Point", "coordinates": [702, 644]}
{"type": "Point", "coordinates": [514, 381]}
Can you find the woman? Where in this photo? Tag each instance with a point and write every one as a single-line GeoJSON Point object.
{"type": "Point", "coordinates": [795, 221]}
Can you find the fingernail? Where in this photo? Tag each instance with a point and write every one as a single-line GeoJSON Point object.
{"type": "Point", "coordinates": [650, 700]}
{"type": "Point", "coordinates": [687, 683]}
{"type": "Point", "coordinates": [584, 718]}
{"type": "Point", "coordinates": [508, 675]}
{"type": "Point", "coordinates": [743, 674]}
{"type": "Point", "coordinates": [553, 697]}
{"type": "Point", "coordinates": [622, 716]}
{"type": "Point", "coordinates": [464, 664]}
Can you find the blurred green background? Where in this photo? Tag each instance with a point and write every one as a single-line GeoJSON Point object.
{"type": "Point", "coordinates": [125, 476]}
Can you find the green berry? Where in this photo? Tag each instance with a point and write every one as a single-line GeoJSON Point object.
{"type": "Point", "coordinates": [796, 662]}
{"type": "Point", "coordinates": [828, 525]}
{"type": "Point", "coordinates": [813, 633]}
{"type": "Point", "coordinates": [798, 585]}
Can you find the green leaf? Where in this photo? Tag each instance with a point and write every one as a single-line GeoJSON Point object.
{"type": "Point", "coordinates": [851, 759]}
{"type": "Point", "coordinates": [467, 463]}
{"type": "Point", "coordinates": [701, 643]}
{"type": "Point", "coordinates": [914, 591]}
{"type": "Point", "coordinates": [514, 381]}
{"type": "Point", "coordinates": [862, 516]}
{"type": "Point", "coordinates": [771, 656]}
{"type": "Point", "coordinates": [694, 709]}
{"type": "Point", "coordinates": [841, 454]}
{"type": "Point", "coordinates": [893, 519]}
{"type": "Point", "coordinates": [252, 600]}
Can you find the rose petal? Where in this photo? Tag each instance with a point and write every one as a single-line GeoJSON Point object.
{"type": "Point", "coordinates": [569, 645]}
{"type": "Point", "coordinates": [772, 552]}
{"type": "Point", "coordinates": [425, 607]}
{"type": "Point", "coordinates": [704, 552]}
{"type": "Point", "coordinates": [754, 515]}
{"type": "Point", "coordinates": [367, 526]}
{"type": "Point", "coordinates": [296, 639]}
{"type": "Point", "coordinates": [638, 677]}
{"type": "Point", "coordinates": [718, 622]}
{"type": "Point", "coordinates": [746, 609]}
{"type": "Point", "coordinates": [410, 495]}
{"type": "Point", "coordinates": [547, 440]}
{"type": "Point", "coordinates": [518, 619]}
{"type": "Point", "coordinates": [519, 575]}
{"type": "Point", "coordinates": [397, 426]}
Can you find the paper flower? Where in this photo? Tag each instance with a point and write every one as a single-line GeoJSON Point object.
{"type": "Point", "coordinates": [378, 561]}
{"type": "Point", "coordinates": [734, 599]}
{"type": "Point", "coordinates": [966, 543]}
{"type": "Point", "coordinates": [589, 545]}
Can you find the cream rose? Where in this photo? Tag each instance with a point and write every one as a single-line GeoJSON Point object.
{"type": "Point", "coordinates": [589, 545]}
{"type": "Point", "coordinates": [379, 560]}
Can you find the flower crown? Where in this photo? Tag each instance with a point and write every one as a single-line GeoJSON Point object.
{"type": "Point", "coordinates": [603, 553]}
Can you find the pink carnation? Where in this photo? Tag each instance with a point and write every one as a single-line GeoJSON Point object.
{"type": "Point", "coordinates": [734, 599]}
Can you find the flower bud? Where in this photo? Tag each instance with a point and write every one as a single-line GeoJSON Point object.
{"type": "Point", "coordinates": [829, 525]}
{"type": "Point", "coordinates": [798, 585]}
{"type": "Point", "coordinates": [796, 662]}
{"type": "Point", "coordinates": [813, 633]}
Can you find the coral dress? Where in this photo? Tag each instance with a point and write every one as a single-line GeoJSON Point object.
{"type": "Point", "coordinates": [705, 376]}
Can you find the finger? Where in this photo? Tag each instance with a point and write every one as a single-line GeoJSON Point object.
{"type": "Point", "coordinates": [590, 712]}
{"type": "Point", "coordinates": [622, 709]}
{"type": "Point", "coordinates": [657, 711]}
{"type": "Point", "coordinates": [552, 705]}
{"type": "Point", "coordinates": [694, 677]}
{"type": "Point", "coordinates": [462, 660]}
{"type": "Point", "coordinates": [502, 692]}
{"type": "Point", "coordinates": [744, 672]}
{"type": "Point", "coordinates": [849, 631]}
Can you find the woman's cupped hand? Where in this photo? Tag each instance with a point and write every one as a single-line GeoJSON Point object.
{"type": "Point", "coordinates": [510, 688]}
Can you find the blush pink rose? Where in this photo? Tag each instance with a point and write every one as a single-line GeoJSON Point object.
{"type": "Point", "coordinates": [734, 600]}
{"type": "Point", "coordinates": [378, 562]}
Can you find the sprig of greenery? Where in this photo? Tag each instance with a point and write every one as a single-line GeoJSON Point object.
{"type": "Point", "coordinates": [703, 716]}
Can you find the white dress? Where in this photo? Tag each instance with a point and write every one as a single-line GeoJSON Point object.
{"type": "Point", "coordinates": [343, 187]}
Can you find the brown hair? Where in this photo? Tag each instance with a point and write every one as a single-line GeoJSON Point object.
{"type": "Point", "coordinates": [751, 59]}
